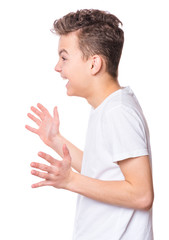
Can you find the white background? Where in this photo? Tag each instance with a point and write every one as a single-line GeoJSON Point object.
{"type": "Point", "coordinates": [28, 54]}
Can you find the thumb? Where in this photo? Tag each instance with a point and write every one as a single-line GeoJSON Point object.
{"type": "Point", "coordinates": [56, 114]}
{"type": "Point", "coordinates": [66, 153]}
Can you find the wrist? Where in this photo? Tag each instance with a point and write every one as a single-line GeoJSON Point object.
{"type": "Point", "coordinates": [73, 179]}
{"type": "Point", "coordinates": [55, 141]}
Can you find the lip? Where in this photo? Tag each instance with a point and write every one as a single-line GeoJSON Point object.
{"type": "Point", "coordinates": [63, 77]}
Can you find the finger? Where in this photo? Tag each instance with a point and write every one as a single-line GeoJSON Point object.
{"type": "Point", "coordinates": [36, 120]}
{"type": "Point", "coordinates": [47, 157]}
{"type": "Point", "coordinates": [54, 162]}
{"type": "Point", "coordinates": [42, 167]}
{"type": "Point", "coordinates": [37, 112]}
{"type": "Point", "coordinates": [66, 153]}
{"type": "Point", "coordinates": [56, 115]}
{"type": "Point", "coordinates": [43, 109]}
{"type": "Point", "coordinates": [41, 184]}
{"type": "Point", "coordinates": [41, 174]}
{"type": "Point", "coordinates": [34, 130]}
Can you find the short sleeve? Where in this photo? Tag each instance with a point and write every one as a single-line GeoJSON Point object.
{"type": "Point", "coordinates": [124, 133]}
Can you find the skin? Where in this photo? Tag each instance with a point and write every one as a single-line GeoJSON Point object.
{"type": "Point", "coordinates": [87, 79]}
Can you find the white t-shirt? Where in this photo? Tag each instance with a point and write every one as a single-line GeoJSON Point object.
{"type": "Point", "coordinates": [117, 130]}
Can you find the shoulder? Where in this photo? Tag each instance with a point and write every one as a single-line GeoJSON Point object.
{"type": "Point", "coordinates": [124, 117]}
{"type": "Point", "coordinates": [123, 100]}
{"type": "Point", "coordinates": [125, 133]}
{"type": "Point", "coordinates": [123, 113]}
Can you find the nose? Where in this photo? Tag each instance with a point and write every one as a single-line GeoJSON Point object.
{"type": "Point", "coordinates": [58, 68]}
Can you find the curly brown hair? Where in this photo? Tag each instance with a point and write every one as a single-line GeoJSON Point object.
{"type": "Point", "coordinates": [98, 33]}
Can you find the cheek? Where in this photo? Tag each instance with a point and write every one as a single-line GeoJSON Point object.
{"type": "Point", "coordinates": [77, 74]}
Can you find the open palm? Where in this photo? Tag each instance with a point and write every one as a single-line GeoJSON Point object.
{"type": "Point", "coordinates": [48, 125]}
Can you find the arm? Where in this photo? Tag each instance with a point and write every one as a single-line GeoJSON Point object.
{"type": "Point", "coordinates": [136, 191]}
{"type": "Point", "coordinates": [76, 153]}
{"type": "Point", "coordinates": [48, 131]}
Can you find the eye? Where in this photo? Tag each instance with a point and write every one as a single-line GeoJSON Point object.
{"type": "Point", "coordinates": [63, 58]}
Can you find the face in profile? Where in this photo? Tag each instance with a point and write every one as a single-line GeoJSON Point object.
{"type": "Point", "coordinates": [73, 67]}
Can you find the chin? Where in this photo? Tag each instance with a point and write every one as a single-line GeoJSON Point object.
{"type": "Point", "coordinates": [69, 93]}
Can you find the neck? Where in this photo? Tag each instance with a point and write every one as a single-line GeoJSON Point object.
{"type": "Point", "coordinates": [101, 91]}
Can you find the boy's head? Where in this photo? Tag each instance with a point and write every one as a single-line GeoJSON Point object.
{"type": "Point", "coordinates": [98, 33]}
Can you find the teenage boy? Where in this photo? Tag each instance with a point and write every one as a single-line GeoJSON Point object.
{"type": "Point", "coordinates": [113, 175]}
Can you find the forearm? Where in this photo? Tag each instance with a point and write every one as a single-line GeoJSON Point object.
{"type": "Point", "coordinates": [120, 193]}
{"type": "Point", "coordinates": [76, 153]}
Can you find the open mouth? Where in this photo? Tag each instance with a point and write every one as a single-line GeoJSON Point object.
{"type": "Point", "coordinates": [64, 78]}
{"type": "Point", "coordinates": [67, 84]}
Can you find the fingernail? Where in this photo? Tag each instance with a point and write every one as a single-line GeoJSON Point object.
{"type": "Point", "coordinates": [33, 171]}
{"type": "Point", "coordinates": [40, 153]}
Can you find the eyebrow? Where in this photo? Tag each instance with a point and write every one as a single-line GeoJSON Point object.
{"type": "Point", "coordinates": [63, 50]}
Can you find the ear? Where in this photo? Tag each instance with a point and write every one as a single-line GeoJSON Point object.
{"type": "Point", "coordinates": [96, 64]}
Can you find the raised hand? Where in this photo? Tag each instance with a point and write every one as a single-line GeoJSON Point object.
{"type": "Point", "coordinates": [48, 125]}
{"type": "Point", "coordinates": [58, 174]}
